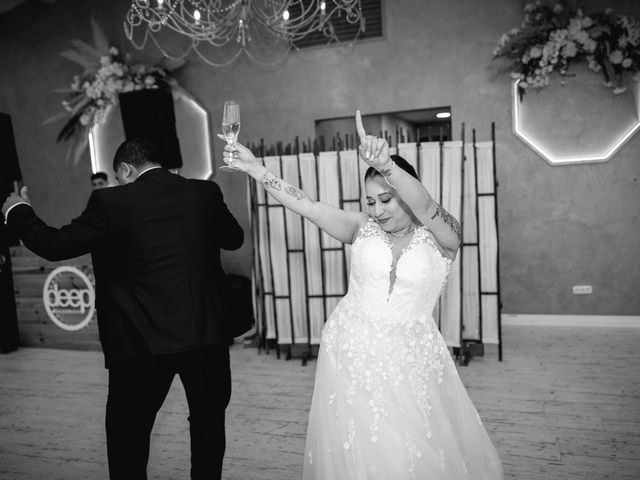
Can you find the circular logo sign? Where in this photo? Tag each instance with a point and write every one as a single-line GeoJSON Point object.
{"type": "Point", "coordinates": [69, 298]}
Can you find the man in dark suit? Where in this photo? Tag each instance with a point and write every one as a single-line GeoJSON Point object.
{"type": "Point", "coordinates": [155, 243]}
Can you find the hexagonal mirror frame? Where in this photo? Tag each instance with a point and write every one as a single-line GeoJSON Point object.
{"type": "Point", "coordinates": [193, 127]}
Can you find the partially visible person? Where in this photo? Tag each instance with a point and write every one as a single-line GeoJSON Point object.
{"type": "Point", "coordinates": [99, 180]}
{"type": "Point", "coordinates": [161, 292]}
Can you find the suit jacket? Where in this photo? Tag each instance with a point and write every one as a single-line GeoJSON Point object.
{"type": "Point", "coordinates": [155, 245]}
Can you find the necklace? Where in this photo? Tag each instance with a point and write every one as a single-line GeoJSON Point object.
{"type": "Point", "coordinates": [400, 235]}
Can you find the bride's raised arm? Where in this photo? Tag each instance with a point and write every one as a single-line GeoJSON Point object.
{"type": "Point", "coordinates": [445, 228]}
{"type": "Point", "coordinates": [340, 224]}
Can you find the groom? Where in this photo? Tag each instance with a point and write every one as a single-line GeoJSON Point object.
{"type": "Point", "coordinates": [155, 243]}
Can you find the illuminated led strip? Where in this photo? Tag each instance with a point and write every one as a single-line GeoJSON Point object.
{"type": "Point", "coordinates": [207, 167]}
{"type": "Point", "coordinates": [563, 160]}
{"type": "Point", "coordinates": [92, 150]}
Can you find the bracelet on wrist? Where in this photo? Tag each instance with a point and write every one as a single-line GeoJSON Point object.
{"type": "Point", "coordinates": [389, 183]}
{"type": "Point", "coordinates": [385, 172]}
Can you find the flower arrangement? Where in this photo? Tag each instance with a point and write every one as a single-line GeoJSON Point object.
{"type": "Point", "coordinates": [106, 74]}
{"type": "Point", "coordinates": [550, 39]}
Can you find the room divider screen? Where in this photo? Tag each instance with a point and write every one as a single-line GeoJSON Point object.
{"type": "Point", "coordinates": [300, 273]}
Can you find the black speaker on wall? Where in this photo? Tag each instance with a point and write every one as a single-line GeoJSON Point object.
{"type": "Point", "coordinates": [9, 167]}
{"type": "Point", "coordinates": [149, 114]}
{"type": "Point", "coordinates": [9, 336]}
{"type": "Point", "coordinates": [9, 175]}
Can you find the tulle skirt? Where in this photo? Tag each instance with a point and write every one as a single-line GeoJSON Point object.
{"type": "Point", "coordinates": [402, 424]}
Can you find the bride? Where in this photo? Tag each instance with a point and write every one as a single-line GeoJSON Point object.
{"type": "Point", "coordinates": [388, 402]}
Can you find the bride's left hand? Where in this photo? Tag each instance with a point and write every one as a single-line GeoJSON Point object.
{"type": "Point", "coordinates": [373, 150]}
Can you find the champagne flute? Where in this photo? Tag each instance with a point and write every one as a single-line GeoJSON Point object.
{"type": "Point", "coordinates": [230, 125]}
{"type": "Point", "coordinates": [231, 121]}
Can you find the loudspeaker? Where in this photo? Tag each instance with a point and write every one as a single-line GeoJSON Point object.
{"type": "Point", "coordinates": [9, 167]}
{"type": "Point", "coordinates": [9, 174]}
{"type": "Point", "coordinates": [240, 305]}
{"type": "Point", "coordinates": [149, 114]}
{"type": "Point", "coordinates": [9, 337]}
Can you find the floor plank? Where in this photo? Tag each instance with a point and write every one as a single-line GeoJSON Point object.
{"type": "Point", "coordinates": [563, 405]}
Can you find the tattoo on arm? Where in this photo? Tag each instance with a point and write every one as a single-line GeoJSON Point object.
{"type": "Point", "coordinates": [449, 220]}
{"type": "Point", "coordinates": [269, 180]}
{"type": "Point", "coordinates": [294, 192]}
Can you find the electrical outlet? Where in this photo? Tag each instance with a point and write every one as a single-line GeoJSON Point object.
{"type": "Point", "coordinates": [582, 289]}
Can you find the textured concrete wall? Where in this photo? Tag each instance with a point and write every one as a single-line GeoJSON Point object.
{"type": "Point", "coordinates": [559, 226]}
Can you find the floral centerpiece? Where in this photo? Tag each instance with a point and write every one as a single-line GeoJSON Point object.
{"type": "Point", "coordinates": [107, 73]}
{"type": "Point", "coordinates": [551, 38]}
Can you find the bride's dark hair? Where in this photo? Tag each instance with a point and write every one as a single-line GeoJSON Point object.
{"type": "Point", "coordinates": [399, 161]}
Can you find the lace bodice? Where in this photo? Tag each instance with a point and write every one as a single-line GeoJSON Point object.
{"type": "Point", "coordinates": [420, 273]}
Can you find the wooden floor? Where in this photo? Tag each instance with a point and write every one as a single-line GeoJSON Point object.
{"type": "Point", "coordinates": [563, 405]}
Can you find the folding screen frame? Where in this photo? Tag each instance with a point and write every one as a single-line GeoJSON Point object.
{"type": "Point", "coordinates": [266, 297]}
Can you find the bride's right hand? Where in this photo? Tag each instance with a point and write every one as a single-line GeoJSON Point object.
{"type": "Point", "coordinates": [238, 158]}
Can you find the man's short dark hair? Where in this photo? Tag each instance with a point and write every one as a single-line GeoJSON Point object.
{"type": "Point", "coordinates": [136, 152]}
{"type": "Point", "coordinates": [98, 175]}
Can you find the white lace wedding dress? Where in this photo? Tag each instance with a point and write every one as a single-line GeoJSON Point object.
{"type": "Point", "coordinates": [388, 403]}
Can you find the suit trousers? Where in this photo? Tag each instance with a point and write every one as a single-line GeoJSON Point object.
{"type": "Point", "coordinates": [137, 389]}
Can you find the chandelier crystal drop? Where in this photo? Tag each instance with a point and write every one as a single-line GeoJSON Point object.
{"type": "Point", "coordinates": [220, 31]}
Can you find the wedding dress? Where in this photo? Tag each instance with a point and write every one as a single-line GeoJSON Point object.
{"type": "Point", "coordinates": [388, 402]}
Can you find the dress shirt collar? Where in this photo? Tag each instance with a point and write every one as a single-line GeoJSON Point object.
{"type": "Point", "coordinates": [146, 170]}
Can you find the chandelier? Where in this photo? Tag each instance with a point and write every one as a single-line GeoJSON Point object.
{"type": "Point", "coordinates": [220, 31]}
